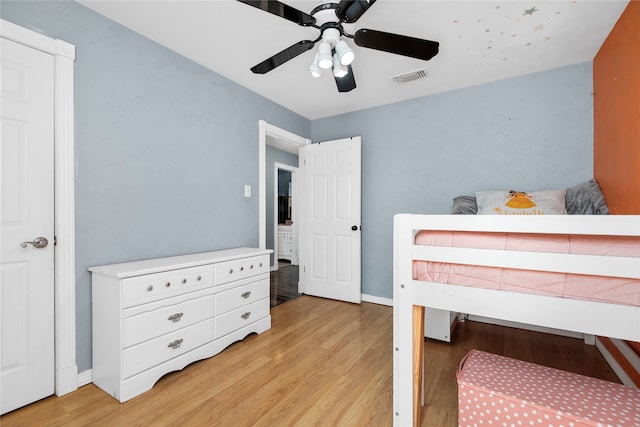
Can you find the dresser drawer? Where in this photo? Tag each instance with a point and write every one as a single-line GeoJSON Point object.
{"type": "Point", "coordinates": [153, 287]}
{"type": "Point", "coordinates": [151, 353]}
{"type": "Point", "coordinates": [229, 271]}
{"type": "Point", "coordinates": [241, 295]}
{"type": "Point", "coordinates": [142, 327]}
{"type": "Point", "coordinates": [240, 317]}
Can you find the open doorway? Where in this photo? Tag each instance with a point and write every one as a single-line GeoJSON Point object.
{"type": "Point", "coordinates": [278, 227]}
{"type": "Point", "coordinates": [285, 272]}
{"type": "Point", "coordinates": [285, 214]}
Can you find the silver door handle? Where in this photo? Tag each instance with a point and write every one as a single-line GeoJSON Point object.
{"type": "Point", "coordinates": [38, 243]}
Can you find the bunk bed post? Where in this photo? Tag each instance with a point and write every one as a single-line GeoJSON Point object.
{"type": "Point", "coordinates": [405, 398]}
{"type": "Point", "coordinates": [418, 361]}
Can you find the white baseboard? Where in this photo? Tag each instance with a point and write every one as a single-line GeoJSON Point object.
{"type": "Point", "coordinates": [66, 380]}
{"type": "Point", "coordinates": [85, 378]}
{"type": "Point", "coordinates": [377, 300]}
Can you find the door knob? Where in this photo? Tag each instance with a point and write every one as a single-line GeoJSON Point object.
{"type": "Point", "coordinates": [354, 227]}
{"type": "Point", "coordinates": [38, 243]}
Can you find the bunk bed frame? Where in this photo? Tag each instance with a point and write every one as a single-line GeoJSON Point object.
{"type": "Point", "coordinates": [411, 296]}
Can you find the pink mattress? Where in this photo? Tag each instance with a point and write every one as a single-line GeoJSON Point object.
{"type": "Point", "coordinates": [501, 391]}
{"type": "Point", "coordinates": [594, 288]}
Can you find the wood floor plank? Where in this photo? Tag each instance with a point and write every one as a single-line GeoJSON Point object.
{"type": "Point", "coordinates": [323, 363]}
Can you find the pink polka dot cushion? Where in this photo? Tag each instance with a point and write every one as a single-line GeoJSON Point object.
{"type": "Point", "coordinates": [500, 391]}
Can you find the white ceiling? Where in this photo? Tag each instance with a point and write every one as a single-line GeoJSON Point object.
{"type": "Point", "coordinates": [480, 41]}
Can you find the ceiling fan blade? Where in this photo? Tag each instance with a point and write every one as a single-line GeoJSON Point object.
{"type": "Point", "coordinates": [282, 57]}
{"type": "Point", "coordinates": [346, 83]}
{"type": "Point", "coordinates": [282, 10]}
{"type": "Point", "coordinates": [350, 11]}
{"type": "Point", "coordinates": [395, 43]}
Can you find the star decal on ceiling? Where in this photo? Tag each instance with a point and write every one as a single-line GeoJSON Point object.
{"type": "Point", "coordinates": [530, 11]}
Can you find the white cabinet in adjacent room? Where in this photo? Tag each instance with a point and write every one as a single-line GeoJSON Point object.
{"type": "Point", "coordinates": [287, 244]}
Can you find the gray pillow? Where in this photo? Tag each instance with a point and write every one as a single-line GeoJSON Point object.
{"type": "Point", "coordinates": [586, 199]}
{"type": "Point", "coordinates": [465, 205]}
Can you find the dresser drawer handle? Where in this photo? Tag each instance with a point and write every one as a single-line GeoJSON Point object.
{"type": "Point", "coordinates": [168, 284]}
{"type": "Point", "coordinates": [199, 278]}
{"type": "Point", "coordinates": [241, 268]}
{"type": "Point", "coordinates": [231, 271]}
{"type": "Point", "coordinates": [260, 265]}
{"type": "Point", "coordinates": [246, 315]}
{"type": "Point", "coordinates": [175, 344]}
{"type": "Point", "coordinates": [184, 281]}
{"type": "Point", "coordinates": [149, 288]}
{"type": "Point", "coordinates": [245, 295]}
{"type": "Point", "coordinates": [175, 317]}
{"type": "Point", "coordinates": [251, 267]}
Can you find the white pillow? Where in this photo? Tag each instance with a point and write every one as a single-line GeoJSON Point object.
{"type": "Point", "coordinates": [546, 202]}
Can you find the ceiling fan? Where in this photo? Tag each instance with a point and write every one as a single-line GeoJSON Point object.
{"type": "Point", "coordinates": [333, 51]}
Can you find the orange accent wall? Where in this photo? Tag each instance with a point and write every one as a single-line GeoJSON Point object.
{"type": "Point", "coordinates": [616, 132]}
{"type": "Point", "coordinates": [616, 83]}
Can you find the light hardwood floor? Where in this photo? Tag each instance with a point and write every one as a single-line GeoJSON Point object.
{"type": "Point", "coordinates": [323, 363]}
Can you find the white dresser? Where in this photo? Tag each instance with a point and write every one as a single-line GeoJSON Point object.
{"type": "Point", "coordinates": [156, 316]}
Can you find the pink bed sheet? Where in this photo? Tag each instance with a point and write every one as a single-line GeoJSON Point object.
{"type": "Point", "coordinates": [594, 288]}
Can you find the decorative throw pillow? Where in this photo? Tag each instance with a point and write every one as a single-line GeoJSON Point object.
{"type": "Point", "coordinates": [464, 205]}
{"type": "Point", "coordinates": [586, 199]}
{"type": "Point", "coordinates": [546, 202]}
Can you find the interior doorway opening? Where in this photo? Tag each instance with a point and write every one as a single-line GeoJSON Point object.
{"type": "Point", "coordinates": [285, 214]}
{"type": "Point", "coordinates": [278, 151]}
{"type": "Point", "coordinates": [285, 271]}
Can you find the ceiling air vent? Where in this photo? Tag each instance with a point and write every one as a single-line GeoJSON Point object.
{"type": "Point", "coordinates": [409, 77]}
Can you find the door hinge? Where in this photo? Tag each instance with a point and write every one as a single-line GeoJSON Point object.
{"type": "Point", "coordinates": [55, 240]}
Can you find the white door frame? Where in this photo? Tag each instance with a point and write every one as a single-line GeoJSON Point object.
{"type": "Point", "coordinates": [267, 130]}
{"type": "Point", "coordinates": [66, 369]}
{"type": "Point", "coordinates": [294, 210]}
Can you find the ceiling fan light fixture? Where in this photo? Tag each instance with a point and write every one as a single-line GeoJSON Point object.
{"type": "Point", "coordinates": [325, 61]}
{"type": "Point", "coordinates": [345, 53]}
{"type": "Point", "coordinates": [339, 70]}
{"type": "Point", "coordinates": [314, 69]}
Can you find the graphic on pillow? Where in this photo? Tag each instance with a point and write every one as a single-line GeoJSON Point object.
{"type": "Point", "coordinates": [546, 202]}
{"type": "Point", "coordinates": [520, 200]}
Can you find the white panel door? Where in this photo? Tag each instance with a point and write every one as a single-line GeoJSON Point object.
{"type": "Point", "coordinates": [330, 221]}
{"type": "Point", "coordinates": [27, 273]}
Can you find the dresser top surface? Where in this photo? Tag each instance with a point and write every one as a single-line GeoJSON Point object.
{"type": "Point", "coordinates": [158, 265]}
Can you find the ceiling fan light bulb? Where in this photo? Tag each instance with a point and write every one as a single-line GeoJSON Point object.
{"type": "Point", "coordinates": [340, 73]}
{"type": "Point", "coordinates": [344, 51]}
{"type": "Point", "coordinates": [325, 61]}
{"type": "Point", "coordinates": [314, 69]}
{"type": "Point", "coordinates": [339, 70]}
{"type": "Point", "coordinates": [347, 58]}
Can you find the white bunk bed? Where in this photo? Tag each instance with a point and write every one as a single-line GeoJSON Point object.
{"type": "Point", "coordinates": [583, 316]}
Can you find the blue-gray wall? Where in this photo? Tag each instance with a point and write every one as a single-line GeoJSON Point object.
{"type": "Point", "coordinates": [272, 156]}
{"type": "Point", "coordinates": [527, 133]}
{"type": "Point", "coordinates": [164, 148]}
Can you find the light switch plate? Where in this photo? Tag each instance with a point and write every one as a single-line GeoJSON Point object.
{"type": "Point", "coordinates": [247, 191]}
